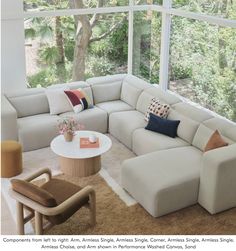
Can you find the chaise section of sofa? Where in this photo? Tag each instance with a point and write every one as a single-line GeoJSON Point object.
{"type": "Point", "coordinates": [162, 181]}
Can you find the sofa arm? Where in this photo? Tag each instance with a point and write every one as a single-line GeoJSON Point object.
{"type": "Point", "coordinates": [9, 129]}
{"type": "Point", "coordinates": [217, 191]}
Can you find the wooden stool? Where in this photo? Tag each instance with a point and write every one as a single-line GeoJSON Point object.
{"type": "Point", "coordinates": [11, 158]}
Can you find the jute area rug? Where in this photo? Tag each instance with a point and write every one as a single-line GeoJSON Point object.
{"type": "Point", "coordinates": [114, 217]}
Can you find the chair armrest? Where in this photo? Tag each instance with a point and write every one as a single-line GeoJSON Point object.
{"type": "Point", "coordinates": [217, 191]}
{"type": "Point", "coordinates": [51, 211]}
{"type": "Point", "coordinates": [39, 173]}
{"type": "Point", "coordinates": [9, 130]}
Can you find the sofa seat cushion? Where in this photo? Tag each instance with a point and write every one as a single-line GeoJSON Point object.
{"type": "Point", "coordinates": [163, 181]}
{"type": "Point", "coordinates": [145, 141]}
{"type": "Point", "coordinates": [94, 119]}
{"type": "Point", "coordinates": [114, 106]}
{"type": "Point", "coordinates": [123, 124]}
{"type": "Point", "coordinates": [37, 131]}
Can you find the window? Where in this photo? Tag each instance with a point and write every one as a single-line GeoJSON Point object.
{"type": "Point", "coordinates": [140, 2]}
{"type": "Point", "coordinates": [60, 49]}
{"type": "Point", "coordinates": [146, 45]}
{"type": "Point", "coordinates": [203, 64]}
{"type": "Point", "coordinates": [225, 9]}
{"type": "Point", "coordinates": [42, 5]}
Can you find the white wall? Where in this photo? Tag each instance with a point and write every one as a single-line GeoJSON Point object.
{"type": "Point", "coordinates": [13, 70]}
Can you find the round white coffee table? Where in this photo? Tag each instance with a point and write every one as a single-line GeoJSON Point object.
{"type": "Point", "coordinates": [76, 161]}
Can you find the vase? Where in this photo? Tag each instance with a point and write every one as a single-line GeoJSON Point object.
{"type": "Point", "coordinates": [68, 136]}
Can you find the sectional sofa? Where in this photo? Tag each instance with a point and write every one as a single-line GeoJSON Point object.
{"type": "Point", "coordinates": [168, 173]}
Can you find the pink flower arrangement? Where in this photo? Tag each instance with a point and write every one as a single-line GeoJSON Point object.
{"type": "Point", "coordinates": [69, 125]}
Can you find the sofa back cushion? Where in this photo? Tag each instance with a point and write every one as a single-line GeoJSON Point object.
{"type": "Point", "coordinates": [203, 135]}
{"type": "Point", "coordinates": [106, 92]}
{"type": "Point", "coordinates": [106, 88]}
{"type": "Point", "coordinates": [34, 101]}
{"type": "Point", "coordinates": [132, 87]}
{"type": "Point", "coordinates": [58, 102]}
{"type": "Point", "coordinates": [76, 85]}
{"type": "Point", "coordinates": [147, 95]}
{"type": "Point", "coordinates": [227, 128]}
{"type": "Point", "coordinates": [29, 102]}
{"type": "Point", "coordinates": [192, 111]}
{"type": "Point", "coordinates": [187, 127]}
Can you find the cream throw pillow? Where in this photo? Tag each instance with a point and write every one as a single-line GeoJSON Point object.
{"type": "Point", "coordinates": [58, 102]}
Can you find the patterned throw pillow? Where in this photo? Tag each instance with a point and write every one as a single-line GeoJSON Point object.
{"type": "Point", "coordinates": [78, 100]}
{"type": "Point", "coordinates": [157, 108]}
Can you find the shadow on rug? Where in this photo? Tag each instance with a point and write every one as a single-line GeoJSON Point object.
{"type": "Point", "coordinates": [115, 218]}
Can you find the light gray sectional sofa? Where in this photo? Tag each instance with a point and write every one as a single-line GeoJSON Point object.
{"type": "Point", "coordinates": [168, 173]}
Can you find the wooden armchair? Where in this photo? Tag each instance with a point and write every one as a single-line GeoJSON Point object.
{"type": "Point", "coordinates": [56, 200]}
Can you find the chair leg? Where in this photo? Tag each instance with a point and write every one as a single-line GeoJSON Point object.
{"type": "Point", "coordinates": [20, 218]}
{"type": "Point", "coordinates": [92, 208]}
{"type": "Point", "coordinates": [38, 223]}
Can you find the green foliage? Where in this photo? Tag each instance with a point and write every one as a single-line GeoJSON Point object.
{"type": "Point", "coordinates": [49, 54]}
{"type": "Point", "coordinates": [205, 54]}
{"type": "Point", "coordinates": [69, 49]}
{"type": "Point", "coordinates": [30, 33]}
{"type": "Point", "coordinates": [118, 49]}
{"type": "Point", "coordinates": [202, 55]}
{"type": "Point", "coordinates": [43, 78]}
{"type": "Point", "coordinates": [99, 67]}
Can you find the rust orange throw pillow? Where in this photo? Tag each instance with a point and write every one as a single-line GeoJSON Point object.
{"type": "Point", "coordinates": [215, 141]}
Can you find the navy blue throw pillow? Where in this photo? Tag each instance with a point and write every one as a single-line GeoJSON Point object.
{"type": "Point", "coordinates": [163, 126]}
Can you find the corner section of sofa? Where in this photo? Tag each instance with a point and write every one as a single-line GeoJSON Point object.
{"type": "Point", "coordinates": [107, 91]}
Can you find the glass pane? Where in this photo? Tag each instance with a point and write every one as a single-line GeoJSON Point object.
{"type": "Point", "coordinates": [226, 9]}
{"type": "Point", "coordinates": [64, 49]}
{"type": "Point", "coordinates": [146, 45]}
{"type": "Point", "coordinates": [140, 2]}
{"type": "Point", "coordinates": [203, 64]}
{"type": "Point", "coordinates": [41, 5]}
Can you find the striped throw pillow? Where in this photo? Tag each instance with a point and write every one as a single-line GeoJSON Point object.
{"type": "Point", "coordinates": [78, 100]}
